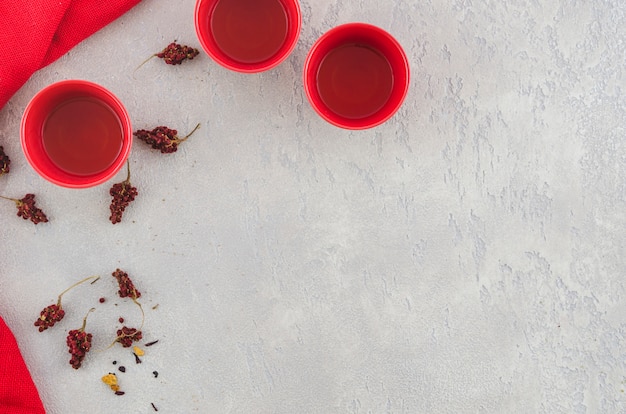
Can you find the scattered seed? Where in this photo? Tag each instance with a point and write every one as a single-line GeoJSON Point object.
{"type": "Point", "coordinates": [122, 368]}
{"type": "Point", "coordinates": [151, 343]}
{"type": "Point", "coordinates": [154, 407]}
{"type": "Point", "coordinates": [155, 373]}
{"type": "Point", "coordinates": [102, 300]}
{"type": "Point", "coordinates": [114, 362]}
{"type": "Point", "coordinates": [137, 359]}
{"type": "Point", "coordinates": [121, 320]}
{"type": "Point", "coordinates": [119, 393]}
{"type": "Point", "coordinates": [138, 351]}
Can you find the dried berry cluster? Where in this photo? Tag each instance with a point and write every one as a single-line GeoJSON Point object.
{"type": "Point", "coordinates": [126, 287]}
{"type": "Point", "coordinates": [49, 316]}
{"type": "Point", "coordinates": [126, 336]}
{"type": "Point", "coordinates": [175, 54]}
{"type": "Point", "coordinates": [27, 209]}
{"type": "Point", "coordinates": [79, 343]}
{"type": "Point", "coordinates": [123, 193]}
{"type": "Point", "coordinates": [162, 138]}
{"type": "Point", "coordinates": [78, 340]}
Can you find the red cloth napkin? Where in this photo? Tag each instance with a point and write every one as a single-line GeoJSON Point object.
{"type": "Point", "coordinates": [35, 33]}
{"type": "Point", "coordinates": [18, 394]}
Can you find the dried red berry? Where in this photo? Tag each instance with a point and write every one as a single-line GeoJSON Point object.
{"type": "Point", "coordinates": [162, 138]}
{"type": "Point", "coordinates": [175, 54]}
{"type": "Point", "coordinates": [54, 313]}
{"type": "Point", "coordinates": [79, 343]}
{"type": "Point", "coordinates": [123, 194]}
{"type": "Point", "coordinates": [126, 287]}
{"type": "Point", "coordinates": [5, 162]}
{"type": "Point", "coordinates": [126, 336]}
{"type": "Point", "coordinates": [27, 210]}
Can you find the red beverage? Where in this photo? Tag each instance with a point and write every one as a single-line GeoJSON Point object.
{"type": "Point", "coordinates": [82, 136]}
{"type": "Point", "coordinates": [249, 31]}
{"type": "Point", "coordinates": [354, 80]}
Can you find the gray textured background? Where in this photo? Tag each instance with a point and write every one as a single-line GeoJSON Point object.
{"type": "Point", "coordinates": [465, 257]}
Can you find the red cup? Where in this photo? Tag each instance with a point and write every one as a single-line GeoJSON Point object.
{"type": "Point", "coordinates": [248, 36]}
{"type": "Point", "coordinates": [54, 128]}
{"type": "Point", "coordinates": [356, 76]}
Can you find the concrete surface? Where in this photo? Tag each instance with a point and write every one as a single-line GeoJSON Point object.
{"type": "Point", "coordinates": [465, 257]}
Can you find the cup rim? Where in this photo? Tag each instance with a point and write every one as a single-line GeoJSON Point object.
{"type": "Point", "coordinates": [313, 94]}
{"type": "Point", "coordinates": [203, 33]}
{"type": "Point", "coordinates": [88, 180]}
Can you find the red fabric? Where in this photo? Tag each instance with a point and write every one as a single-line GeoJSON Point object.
{"type": "Point", "coordinates": [18, 394]}
{"type": "Point", "coordinates": [35, 33]}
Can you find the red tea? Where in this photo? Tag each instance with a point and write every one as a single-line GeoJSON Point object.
{"type": "Point", "coordinates": [354, 80]}
{"type": "Point", "coordinates": [82, 136]}
{"type": "Point", "coordinates": [249, 31]}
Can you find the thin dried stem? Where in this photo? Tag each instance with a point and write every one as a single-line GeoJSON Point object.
{"type": "Point", "coordinates": [144, 62]}
{"type": "Point", "coordinates": [12, 199]}
{"type": "Point", "coordinates": [189, 134]}
{"type": "Point", "coordinates": [128, 171]}
{"type": "Point", "coordinates": [82, 328]}
{"type": "Point", "coordinates": [96, 278]}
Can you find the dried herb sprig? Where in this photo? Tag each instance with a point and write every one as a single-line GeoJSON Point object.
{"type": "Point", "coordinates": [27, 209]}
{"type": "Point", "coordinates": [5, 162]}
{"type": "Point", "coordinates": [163, 138]}
{"type": "Point", "coordinates": [127, 289]}
{"type": "Point", "coordinates": [79, 343]}
{"type": "Point", "coordinates": [55, 312]}
{"type": "Point", "coordinates": [123, 194]}
{"type": "Point", "coordinates": [174, 54]}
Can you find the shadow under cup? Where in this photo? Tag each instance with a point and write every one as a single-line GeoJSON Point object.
{"type": "Point", "coordinates": [356, 76]}
{"type": "Point", "coordinates": [76, 134]}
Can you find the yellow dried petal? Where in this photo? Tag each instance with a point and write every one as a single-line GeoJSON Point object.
{"type": "Point", "coordinates": [138, 351]}
{"type": "Point", "coordinates": [110, 379]}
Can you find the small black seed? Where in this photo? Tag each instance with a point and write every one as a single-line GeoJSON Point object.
{"type": "Point", "coordinates": [151, 343]}
{"type": "Point", "coordinates": [119, 393]}
{"type": "Point", "coordinates": [122, 368]}
{"type": "Point", "coordinates": [155, 373]}
{"type": "Point", "coordinates": [137, 359]}
{"type": "Point", "coordinates": [114, 362]}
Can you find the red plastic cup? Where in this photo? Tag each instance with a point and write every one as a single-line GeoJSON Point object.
{"type": "Point", "coordinates": [248, 36]}
{"type": "Point", "coordinates": [356, 76]}
{"type": "Point", "coordinates": [82, 94]}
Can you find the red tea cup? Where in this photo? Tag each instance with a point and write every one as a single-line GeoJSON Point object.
{"type": "Point", "coordinates": [356, 76]}
{"type": "Point", "coordinates": [248, 36]}
{"type": "Point", "coordinates": [76, 134]}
